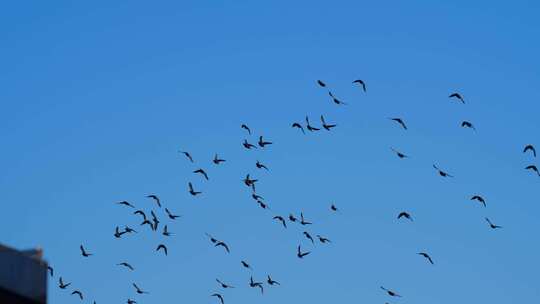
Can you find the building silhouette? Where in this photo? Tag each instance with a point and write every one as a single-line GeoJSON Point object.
{"type": "Point", "coordinates": [23, 276]}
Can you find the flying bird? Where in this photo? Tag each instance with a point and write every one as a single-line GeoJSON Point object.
{"type": "Point", "coordinates": [457, 96]}
{"type": "Point", "coordinates": [399, 154]}
{"type": "Point", "coordinates": [155, 220]}
{"type": "Point", "coordinates": [336, 101]}
{"type": "Point", "coordinates": [191, 191]}
{"type": "Point", "coordinates": [292, 218]}
{"type": "Point", "coordinates": [321, 84]}
{"type": "Point", "coordinates": [220, 297]}
{"type": "Point", "coordinates": [281, 219]}
{"type": "Point", "coordinates": [170, 215]}
{"type": "Point", "coordinates": [326, 126]}
{"type": "Point", "coordinates": [263, 143]}
{"type": "Point", "coordinates": [202, 172]}
{"type": "Point", "coordinates": [166, 231]}
{"type": "Point", "coordinates": [125, 203]}
{"type": "Point", "coordinates": [130, 301]}
{"type": "Point", "coordinates": [253, 284]}
{"type": "Point", "coordinates": [272, 282]}
{"type": "Point", "coordinates": [222, 244]}
{"type": "Point", "coordinates": [333, 208]}
{"type": "Point", "coordinates": [127, 265]}
{"type": "Point", "coordinates": [362, 83]}
{"type": "Point", "coordinates": [425, 255]}
{"type": "Point", "coordinates": [302, 221]}
{"type": "Point", "coordinates": [141, 213]}
{"type": "Point", "coordinates": [531, 148]}
{"type": "Point", "coordinates": [217, 160]}
{"type": "Point", "coordinates": [187, 155]}
{"type": "Point", "coordinates": [84, 253]}
{"type": "Point", "coordinates": [299, 126]}
{"type": "Point", "coordinates": [390, 292]}
{"type": "Point", "coordinates": [308, 236]}
{"type": "Point", "coordinates": [245, 127]}
{"type": "Point", "coordinates": [250, 182]}
{"type": "Point", "coordinates": [262, 204]}
{"type": "Point", "coordinates": [259, 165]}
{"type": "Point", "coordinates": [405, 215]}
{"type": "Point", "coordinates": [127, 229]}
{"type": "Point", "coordinates": [138, 290]}
{"type": "Point", "coordinates": [248, 145]}
{"type": "Point", "coordinates": [246, 265]}
{"type": "Point", "coordinates": [256, 197]}
{"type": "Point", "coordinates": [479, 199]}
{"type": "Point", "coordinates": [323, 239]}
{"type": "Point", "coordinates": [63, 285]}
{"type": "Point", "coordinates": [467, 124]}
{"type": "Point", "coordinates": [161, 246]}
{"type": "Point", "coordinates": [77, 292]}
{"type": "Point", "coordinates": [399, 121]}
{"type": "Point", "coordinates": [533, 168]}
{"type": "Point", "coordinates": [155, 198]}
{"type": "Point", "coordinates": [441, 172]}
{"type": "Point", "coordinates": [118, 233]}
{"type": "Point", "coordinates": [301, 254]}
{"type": "Point", "coordinates": [493, 226]}
{"type": "Point", "coordinates": [223, 285]}
{"type": "Point", "coordinates": [309, 127]}
{"type": "Point", "coordinates": [212, 239]}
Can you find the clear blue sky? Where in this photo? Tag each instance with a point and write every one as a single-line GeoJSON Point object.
{"type": "Point", "coordinates": [98, 98]}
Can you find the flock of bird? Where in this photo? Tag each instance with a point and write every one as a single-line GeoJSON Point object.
{"type": "Point", "coordinates": [153, 221]}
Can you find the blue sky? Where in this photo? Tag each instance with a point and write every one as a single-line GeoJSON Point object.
{"type": "Point", "coordinates": [98, 98]}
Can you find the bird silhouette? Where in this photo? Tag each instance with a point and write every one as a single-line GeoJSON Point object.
{"type": "Point", "coordinates": [250, 182]}
{"type": "Point", "coordinates": [390, 292]}
{"type": "Point", "coordinates": [125, 203]}
{"type": "Point", "coordinates": [84, 253]}
{"type": "Point", "coordinates": [187, 155]}
{"type": "Point", "coordinates": [321, 84]}
{"type": "Point", "coordinates": [326, 126]}
{"type": "Point", "coordinates": [400, 122]}
{"type": "Point", "coordinates": [533, 168]}
{"type": "Point", "coordinates": [263, 143]}
{"type": "Point", "coordinates": [212, 239]}
{"type": "Point", "coordinates": [218, 160]}
{"type": "Point", "coordinates": [303, 221]}
{"type": "Point", "coordinates": [161, 246]}
{"type": "Point", "coordinates": [191, 191]}
{"type": "Point", "coordinates": [248, 145]}
{"type": "Point", "coordinates": [127, 265]}
{"type": "Point", "coordinates": [493, 226]}
{"type": "Point", "coordinates": [530, 148]}
{"type": "Point", "coordinates": [335, 100]}
{"type": "Point", "coordinates": [166, 231]}
{"type": "Point", "coordinates": [259, 165]}
{"type": "Point", "coordinates": [246, 265]}
{"type": "Point", "coordinates": [222, 244]}
{"type": "Point", "coordinates": [299, 126]}
{"type": "Point", "coordinates": [399, 154]}
{"type": "Point", "coordinates": [170, 215]}
{"type": "Point", "coordinates": [271, 282]}
{"type": "Point", "coordinates": [223, 285]}
{"type": "Point", "coordinates": [155, 221]}
{"type": "Point", "coordinates": [245, 127]}
{"type": "Point", "coordinates": [333, 208]}
{"type": "Point", "coordinates": [155, 198]}
{"type": "Point", "coordinates": [130, 301]}
{"type": "Point", "coordinates": [139, 290]}
{"type": "Point", "coordinates": [362, 83]}
{"type": "Point", "coordinates": [127, 229]}
{"type": "Point", "coordinates": [323, 239]}
{"type": "Point", "coordinates": [202, 172]}
{"type": "Point", "coordinates": [220, 297]}
{"type": "Point", "coordinates": [301, 254]}
{"type": "Point", "coordinates": [292, 218]}
{"type": "Point", "coordinates": [141, 213]}
{"type": "Point", "coordinates": [479, 199]}
{"type": "Point", "coordinates": [457, 96]}
{"type": "Point", "coordinates": [262, 204]}
{"type": "Point", "coordinates": [425, 255]}
{"type": "Point", "coordinates": [467, 124]}
{"type": "Point", "coordinates": [405, 215]}
{"type": "Point", "coordinates": [253, 284]}
{"type": "Point", "coordinates": [256, 197]}
{"type": "Point", "coordinates": [63, 285]}
{"type": "Point", "coordinates": [309, 127]}
{"type": "Point", "coordinates": [77, 292]}
{"type": "Point", "coordinates": [441, 172]}
{"type": "Point", "coordinates": [308, 236]}
{"type": "Point", "coordinates": [281, 219]}
{"type": "Point", "coordinates": [147, 222]}
{"type": "Point", "coordinates": [118, 233]}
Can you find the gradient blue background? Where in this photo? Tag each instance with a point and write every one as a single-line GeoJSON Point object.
{"type": "Point", "coordinates": [97, 99]}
